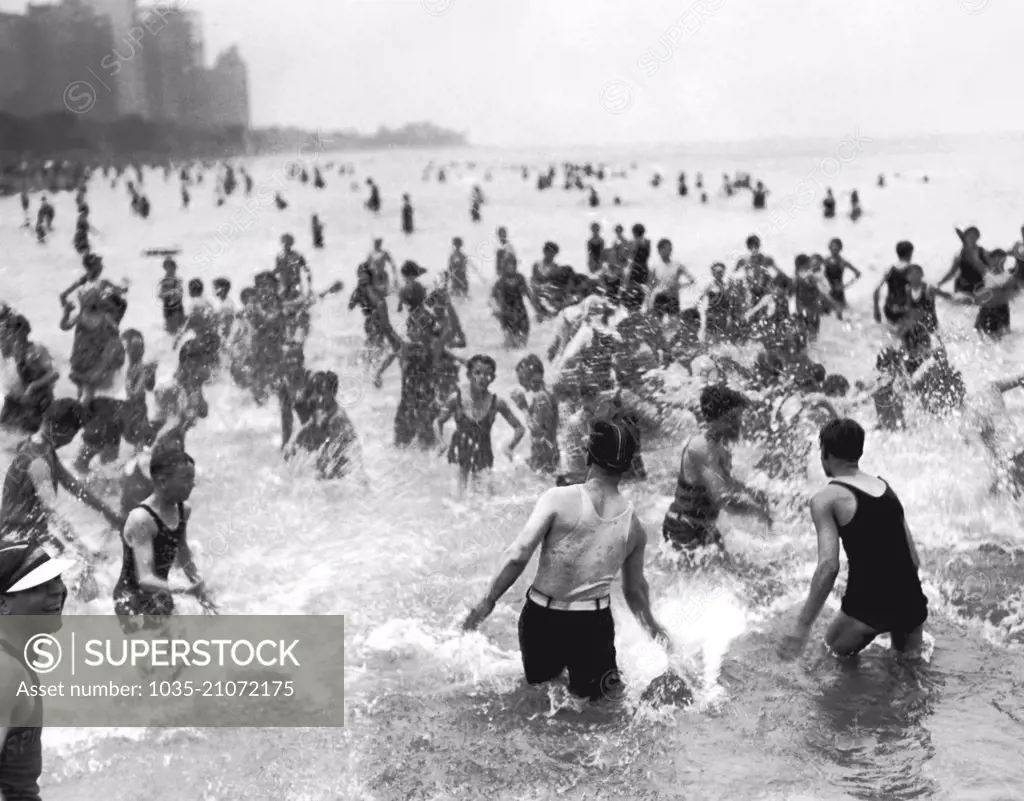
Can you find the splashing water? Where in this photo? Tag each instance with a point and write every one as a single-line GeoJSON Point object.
{"type": "Point", "coordinates": [437, 714]}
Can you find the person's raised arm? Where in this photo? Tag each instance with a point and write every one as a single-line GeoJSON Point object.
{"type": "Point", "coordinates": [516, 557]}
{"type": "Point", "coordinates": [852, 269]}
{"type": "Point", "coordinates": [634, 583]}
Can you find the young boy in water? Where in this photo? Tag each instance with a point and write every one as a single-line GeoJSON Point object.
{"type": "Point", "coordinates": [541, 413]}
{"type": "Point", "coordinates": [140, 379]}
{"type": "Point", "coordinates": [470, 447]}
{"type": "Point", "coordinates": [329, 434]}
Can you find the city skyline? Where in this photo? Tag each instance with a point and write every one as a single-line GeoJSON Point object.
{"type": "Point", "coordinates": [523, 72]}
{"type": "Point", "coordinates": [116, 58]}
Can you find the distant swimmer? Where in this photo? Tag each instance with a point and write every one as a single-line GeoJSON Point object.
{"type": "Point", "coordinates": [407, 216]}
{"type": "Point", "coordinates": [828, 205]}
{"type": "Point", "coordinates": [587, 533]}
{"type": "Point", "coordinates": [760, 196]}
{"type": "Point", "coordinates": [705, 485]}
{"type": "Point", "coordinates": [896, 285]}
{"type": "Point", "coordinates": [883, 591]}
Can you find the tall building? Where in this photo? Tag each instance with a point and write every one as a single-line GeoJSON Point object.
{"type": "Point", "coordinates": [64, 46]}
{"type": "Point", "coordinates": [128, 49]}
{"type": "Point", "coordinates": [227, 91]}
{"type": "Point", "coordinates": [174, 58]}
{"type": "Point", "coordinates": [13, 75]}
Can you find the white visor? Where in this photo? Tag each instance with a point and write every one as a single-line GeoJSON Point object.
{"type": "Point", "coordinates": [45, 572]}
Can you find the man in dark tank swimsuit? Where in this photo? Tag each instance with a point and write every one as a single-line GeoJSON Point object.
{"type": "Point", "coordinates": [152, 546]}
{"type": "Point", "coordinates": [883, 591]}
{"type": "Point", "coordinates": [31, 589]}
{"type": "Point", "coordinates": [706, 485]}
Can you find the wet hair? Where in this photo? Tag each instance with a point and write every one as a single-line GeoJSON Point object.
{"type": "Point", "coordinates": [167, 460]}
{"type": "Point", "coordinates": [222, 283]}
{"type": "Point", "coordinates": [904, 250]}
{"type": "Point", "coordinates": [17, 325]}
{"type": "Point", "coordinates": [457, 241]}
{"type": "Point", "coordinates": [803, 260]}
{"type": "Point", "coordinates": [64, 416]}
{"type": "Point", "coordinates": [265, 278]}
{"type": "Point", "coordinates": [532, 363]}
{"type": "Point", "coordinates": [753, 241]}
{"type": "Point", "coordinates": [842, 439]}
{"type": "Point", "coordinates": [915, 268]}
{"type": "Point", "coordinates": [195, 287]}
{"type": "Point", "coordinates": [717, 401]}
{"type": "Point", "coordinates": [247, 294]}
{"type": "Point", "coordinates": [664, 243]}
{"type": "Point", "coordinates": [639, 230]}
{"type": "Point", "coordinates": [325, 382]}
{"type": "Point", "coordinates": [718, 264]}
{"type": "Point", "coordinates": [836, 241]}
{"type": "Point", "coordinates": [835, 386]}
{"type": "Point", "coordinates": [132, 333]}
{"type": "Point", "coordinates": [818, 373]}
{"type": "Point", "coordinates": [481, 359]}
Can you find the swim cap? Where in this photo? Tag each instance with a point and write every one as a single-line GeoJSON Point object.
{"type": "Point", "coordinates": [611, 446]}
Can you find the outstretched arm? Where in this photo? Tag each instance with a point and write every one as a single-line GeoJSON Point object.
{"type": "Point", "coordinates": [77, 489]}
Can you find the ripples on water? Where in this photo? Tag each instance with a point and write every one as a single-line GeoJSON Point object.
{"type": "Point", "coordinates": [437, 715]}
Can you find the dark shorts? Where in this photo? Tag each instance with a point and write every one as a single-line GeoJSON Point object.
{"type": "Point", "coordinates": [552, 641]}
{"type": "Point", "coordinates": [174, 319]}
{"type": "Point", "coordinates": [102, 423]}
{"type": "Point", "coordinates": [142, 611]}
{"type": "Point", "coordinates": [690, 533]}
{"type": "Point", "coordinates": [887, 615]}
{"type": "Point", "coordinates": [666, 303]}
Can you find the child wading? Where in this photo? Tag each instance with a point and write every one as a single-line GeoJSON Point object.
{"type": "Point", "coordinates": [541, 413]}
{"type": "Point", "coordinates": [470, 446]}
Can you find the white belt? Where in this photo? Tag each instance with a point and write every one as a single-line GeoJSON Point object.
{"type": "Point", "coordinates": [547, 602]}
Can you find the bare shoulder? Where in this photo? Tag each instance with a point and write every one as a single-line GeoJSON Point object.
{"type": "Point", "coordinates": [139, 526]}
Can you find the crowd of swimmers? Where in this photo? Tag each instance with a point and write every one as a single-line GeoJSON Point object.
{"type": "Point", "coordinates": [589, 400]}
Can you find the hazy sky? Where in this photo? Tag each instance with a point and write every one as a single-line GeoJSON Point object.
{"type": "Point", "coordinates": [540, 71]}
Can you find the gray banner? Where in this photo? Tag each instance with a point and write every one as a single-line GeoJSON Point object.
{"type": "Point", "coordinates": [188, 670]}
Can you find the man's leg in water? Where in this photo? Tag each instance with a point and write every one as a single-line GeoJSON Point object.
{"type": "Point", "coordinates": [847, 636]}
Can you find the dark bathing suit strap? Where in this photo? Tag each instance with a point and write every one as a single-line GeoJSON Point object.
{"type": "Point", "coordinates": [160, 523]}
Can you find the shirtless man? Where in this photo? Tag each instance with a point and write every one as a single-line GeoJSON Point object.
{"type": "Point", "coordinates": [706, 486]}
{"type": "Point", "coordinates": [586, 533]}
{"type": "Point", "coordinates": [666, 282]}
{"type": "Point", "coordinates": [883, 592]}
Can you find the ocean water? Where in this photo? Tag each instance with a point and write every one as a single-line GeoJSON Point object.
{"type": "Point", "coordinates": [434, 714]}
